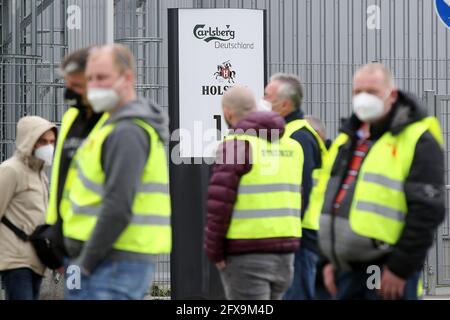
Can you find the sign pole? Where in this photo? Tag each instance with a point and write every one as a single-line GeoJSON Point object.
{"type": "Point", "coordinates": [210, 50]}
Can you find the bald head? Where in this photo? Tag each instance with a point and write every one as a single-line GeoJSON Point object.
{"type": "Point", "coordinates": [374, 79]}
{"type": "Point", "coordinates": [120, 56]}
{"type": "Point", "coordinates": [237, 102]}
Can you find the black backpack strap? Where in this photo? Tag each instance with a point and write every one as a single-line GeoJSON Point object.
{"type": "Point", "coordinates": [22, 235]}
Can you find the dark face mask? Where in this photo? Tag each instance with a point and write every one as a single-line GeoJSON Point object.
{"type": "Point", "coordinates": [72, 98]}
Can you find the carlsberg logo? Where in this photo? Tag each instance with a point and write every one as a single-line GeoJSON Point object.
{"type": "Point", "coordinates": [208, 33]}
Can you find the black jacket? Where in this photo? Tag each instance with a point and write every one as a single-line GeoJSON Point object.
{"type": "Point", "coordinates": [424, 187]}
{"type": "Point", "coordinates": [312, 160]}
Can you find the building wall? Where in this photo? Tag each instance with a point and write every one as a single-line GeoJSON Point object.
{"type": "Point", "coordinates": [92, 26]}
{"type": "Point", "coordinates": [323, 41]}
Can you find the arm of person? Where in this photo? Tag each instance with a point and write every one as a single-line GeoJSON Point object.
{"type": "Point", "coordinates": [222, 193]}
{"type": "Point", "coordinates": [124, 155]}
{"type": "Point", "coordinates": [8, 183]}
{"type": "Point", "coordinates": [425, 195]}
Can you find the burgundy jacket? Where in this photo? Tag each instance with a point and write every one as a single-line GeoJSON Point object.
{"type": "Point", "coordinates": [223, 187]}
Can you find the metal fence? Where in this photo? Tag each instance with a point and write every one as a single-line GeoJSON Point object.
{"type": "Point", "coordinates": [32, 40]}
{"type": "Point", "coordinates": [137, 24]}
{"type": "Point", "coordinates": [32, 43]}
{"type": "Point", "coordinates": [323, 41]}
{"type": "Point", "coordinates": [437, 266]}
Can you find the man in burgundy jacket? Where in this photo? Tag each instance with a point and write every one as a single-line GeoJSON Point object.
{"type": "Point", "coordinates": [251, 268]}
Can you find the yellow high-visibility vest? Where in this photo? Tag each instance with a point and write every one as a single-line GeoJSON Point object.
{"type": "Point", "coordinates": [310, 221]}
{"type": "Point", "coordinates": [378, 209]}
{"type": "Point", "coordinates": [268, 201]}
{"type": "Point", "coordinates": [68, 119]}
{"type": "Point", "coordinates": [149, 231]}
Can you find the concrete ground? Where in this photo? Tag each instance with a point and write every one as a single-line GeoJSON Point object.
{"type": "Point", "coordinates": [437, 297]}
{"type": "Point", "coordinates": [52, 287]}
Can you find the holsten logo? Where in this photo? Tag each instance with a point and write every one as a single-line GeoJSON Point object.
{"type": "Point", "coordinates": [223, 73]}
{"type": "Point", "coordinates": [202, 32]}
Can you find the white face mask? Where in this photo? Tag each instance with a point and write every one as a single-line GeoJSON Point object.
{"type": "Point", "coordinates": [45, 153]}
{"type": "Point", "coordinates": [264, 105]}
{"type": "Point", "coordinates": [368, 107]}
{"type": "Point", "coordinates": [103, 99]}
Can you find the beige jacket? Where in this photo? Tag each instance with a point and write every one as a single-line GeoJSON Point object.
{"type": "Point", "coordinates": [23, 196]}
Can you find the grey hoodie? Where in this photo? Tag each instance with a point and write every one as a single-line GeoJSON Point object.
{"type": "Point", "coordinates": [124, 155]}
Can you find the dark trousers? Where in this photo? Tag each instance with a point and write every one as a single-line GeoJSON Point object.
{"type": "Point", "coordinates": [21, 284]}
{"type": "Point", "coordinates": [303, 284]}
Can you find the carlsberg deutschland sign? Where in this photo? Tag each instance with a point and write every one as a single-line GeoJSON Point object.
{"type": "Point", "coordinates": [217, 49]}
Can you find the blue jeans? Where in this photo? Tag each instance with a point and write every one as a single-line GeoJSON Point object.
{"type": "Point", "coordinates": [353, 286]}
{"type": "Point", "coordinates": [113, 280]}
{"type": "Point", "coordinates": [303, 284]}
{"type": "Point", "coordinates": [21, 284]}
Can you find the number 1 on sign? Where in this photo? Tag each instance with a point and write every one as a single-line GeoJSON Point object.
{"type": "Point", "coordinates": [218, 126]}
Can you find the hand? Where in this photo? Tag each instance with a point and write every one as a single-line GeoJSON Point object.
{"type": "Point", "coordinates": [60, 270]}
{"type": "Point", "coordinates": [221, 265]}
{"type": "Point", "coordinates": [392, 286]}
{"type": "Point", "coordinates": [329, 280]}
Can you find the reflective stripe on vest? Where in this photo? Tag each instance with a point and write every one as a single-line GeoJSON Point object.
{"type": "Point", "coordinates": [138, 218]}
{"type": "Point", "coordinates": [270, 188]}
{"type": "Point", "coordinates": [311, 217]}
{"type": "Point", "coordinates": [265, 213]}
{"type": "Point", "coordinates": [379, 206]}
{"type": "Point", "coordinates": [268, 201]}
{"type": "Point", "coordinates": [383, 180]}
{"type": "Point", "coordinates": [149, 231]}
{"type": "Point", "coordinates": [143, 187]}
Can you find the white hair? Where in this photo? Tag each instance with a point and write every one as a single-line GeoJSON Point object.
{"type": "Point", "coordinates": [291, 88]}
